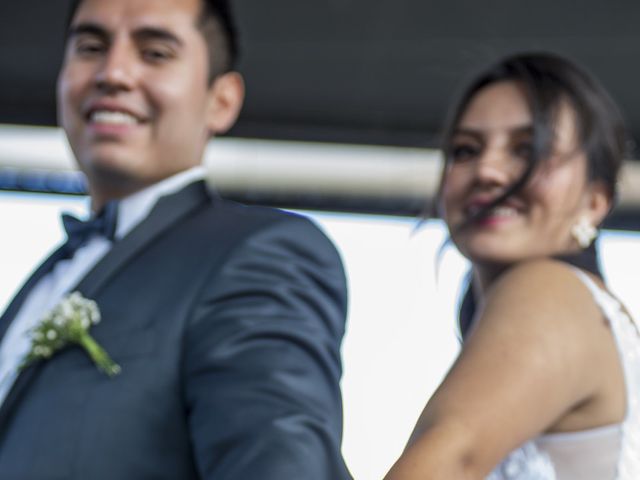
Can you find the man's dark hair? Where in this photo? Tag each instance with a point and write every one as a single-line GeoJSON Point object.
{"type": "Point", "coordinates": [218, 29]}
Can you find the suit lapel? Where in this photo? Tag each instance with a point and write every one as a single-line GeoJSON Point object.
{"type": "Point", "coordinates": [19, 298]}
{"type": "Point", "coordinates": [164, 215]}
{"type": "Point", "coordinates": [24, 378]}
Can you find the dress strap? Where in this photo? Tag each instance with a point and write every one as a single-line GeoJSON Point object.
{"type": "Point", "coordinates": [627, 338]}
{"type": "Point", "coordinates": [609, 305]}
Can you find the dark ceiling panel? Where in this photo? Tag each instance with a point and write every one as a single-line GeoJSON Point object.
{"type": "Point", "coordinates": [357, 71]}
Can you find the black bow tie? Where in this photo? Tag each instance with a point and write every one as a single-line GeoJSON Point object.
{"type": "Point", "coordinates": [80, 231]}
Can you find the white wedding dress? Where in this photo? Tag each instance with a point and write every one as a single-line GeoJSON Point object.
{"type": "Point", "coordinates": [606, 453]}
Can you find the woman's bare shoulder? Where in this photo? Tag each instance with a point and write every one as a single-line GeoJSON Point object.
{"type": "Point", "coordinates": [546, 289]}
{"type": "Point", "coordinates": [530, 352]}
{"type": "Point", "coordinates": [550, 312]}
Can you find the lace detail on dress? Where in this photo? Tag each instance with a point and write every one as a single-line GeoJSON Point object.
{"type": "Point", "coordinates": [525, 463]}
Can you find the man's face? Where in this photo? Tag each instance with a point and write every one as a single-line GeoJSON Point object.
{"type": "Point", "coordinates": [133, 93]}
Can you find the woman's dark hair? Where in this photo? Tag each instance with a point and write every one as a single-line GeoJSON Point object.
{"type": "Point", "coordinates": [548, 81]}
{"type": "Point", "coordinates": [218, 28]}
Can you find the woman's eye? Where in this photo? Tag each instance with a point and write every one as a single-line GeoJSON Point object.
{"type": "Point", "coordinates": [463, 152]}
{"type": "Point", "coordinates": [524, 150]}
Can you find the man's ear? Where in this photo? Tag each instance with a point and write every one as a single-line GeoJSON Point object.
{"type": "Point", "coordinates": [599, 202]}
{"type": "Point", "coordinates": [225, 98]}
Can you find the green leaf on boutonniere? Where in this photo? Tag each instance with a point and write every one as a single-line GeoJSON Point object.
{"type": "Point", "coordinates": [68, 324]}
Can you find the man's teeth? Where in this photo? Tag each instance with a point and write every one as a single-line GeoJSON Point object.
{"type": "Point", "coordinates": [113, 118]}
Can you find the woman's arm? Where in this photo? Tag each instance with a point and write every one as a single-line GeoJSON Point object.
{"type": "Point", "coordinates": [536, 353]}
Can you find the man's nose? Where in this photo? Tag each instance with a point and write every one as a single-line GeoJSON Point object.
{"type": "Point", "coordinates": [119, 68]}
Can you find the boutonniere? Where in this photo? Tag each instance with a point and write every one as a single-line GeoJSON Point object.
{"type": "Point", "coordinates": [68, 324]}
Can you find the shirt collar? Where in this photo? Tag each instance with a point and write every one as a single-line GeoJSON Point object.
{"type": "Point", "coordinates": [135, 208]}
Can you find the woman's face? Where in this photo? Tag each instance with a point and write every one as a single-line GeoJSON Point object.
{"type": "Point", "coordinates": [489, 151]}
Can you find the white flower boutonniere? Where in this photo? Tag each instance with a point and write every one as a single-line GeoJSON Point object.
{"type": "Point", "coordinates": [67, 324]}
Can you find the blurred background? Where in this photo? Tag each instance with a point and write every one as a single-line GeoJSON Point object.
{"type": "Point", "coordinates": [345, 101]}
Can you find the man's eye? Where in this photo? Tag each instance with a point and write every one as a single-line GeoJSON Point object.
{"type": "Point", "coordinates": [156, 55]}
{"type": "Point", "coordinates": [89, 47]}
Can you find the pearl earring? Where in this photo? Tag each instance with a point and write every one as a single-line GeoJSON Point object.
{"type": "Point", "coordinates": [584, 232]}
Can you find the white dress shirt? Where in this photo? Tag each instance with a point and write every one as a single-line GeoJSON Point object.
{"type": "Point", "coordinates": [66, 274]}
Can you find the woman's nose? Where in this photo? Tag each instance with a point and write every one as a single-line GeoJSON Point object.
{"type": "Point", "coordinates": [495, 166]}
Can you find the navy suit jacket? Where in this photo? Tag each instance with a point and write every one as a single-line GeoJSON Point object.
{"type": "Point", "coordinates": [227, 322]}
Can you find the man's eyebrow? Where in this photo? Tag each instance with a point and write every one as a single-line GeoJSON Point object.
{"type": "Point", "coordinates": [156, 33]}
{"type": "Point", "coordinates": [143, 33]}
{"type": "Point", "coordinates": [87, 29]}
